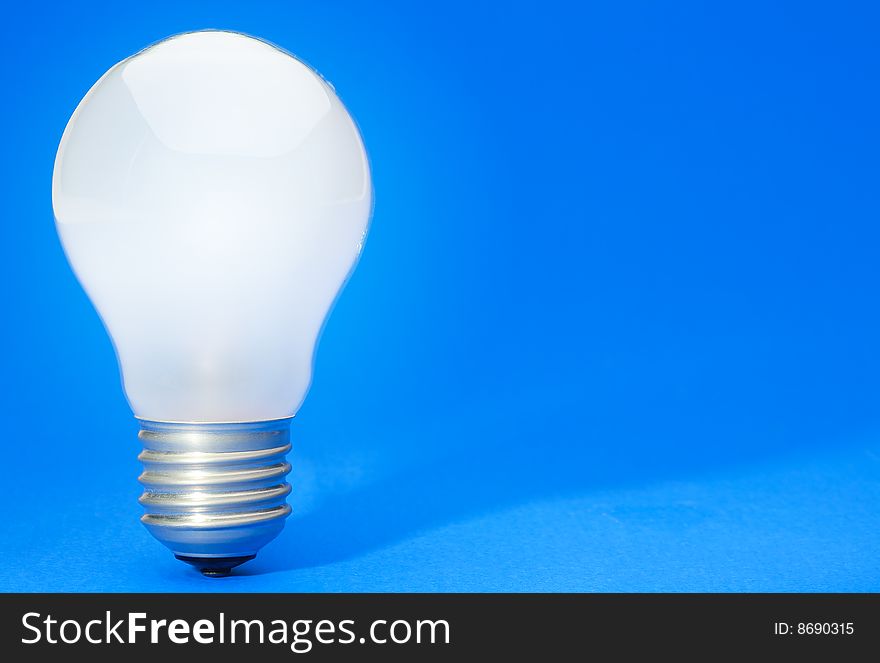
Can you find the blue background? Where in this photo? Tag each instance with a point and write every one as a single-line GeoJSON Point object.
{"type": "Point", "coordinates": [616, 326]}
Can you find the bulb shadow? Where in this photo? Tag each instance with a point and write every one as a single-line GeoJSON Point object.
{"type": "Point", "coordinates": [517, 468]}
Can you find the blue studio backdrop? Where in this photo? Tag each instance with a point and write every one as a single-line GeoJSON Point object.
{"type": "Point", "coordinates": [615, 327]}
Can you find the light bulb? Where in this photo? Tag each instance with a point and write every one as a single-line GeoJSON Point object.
{"type": "Point", "coordinates": [212, 195]}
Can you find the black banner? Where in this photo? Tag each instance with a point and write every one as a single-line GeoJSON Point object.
{"type": "Point", "coordinates": [435, 626]}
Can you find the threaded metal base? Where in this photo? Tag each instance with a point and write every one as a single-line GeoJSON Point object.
{"type": "Point", "coordinates": [215, 491]}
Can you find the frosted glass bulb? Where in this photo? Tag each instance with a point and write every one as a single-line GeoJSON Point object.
{"type": "Point", "coordinates": [212, 195]}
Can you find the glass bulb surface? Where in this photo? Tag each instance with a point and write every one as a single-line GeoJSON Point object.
{"type": "Point", "coordinates": [212, 194]}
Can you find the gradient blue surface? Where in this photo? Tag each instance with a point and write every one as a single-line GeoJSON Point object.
{"type": "Point", "coordinates": [615, 327]}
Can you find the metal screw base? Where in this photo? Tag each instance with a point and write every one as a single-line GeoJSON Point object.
{"type": "Point", "coordinates": [215, 493]}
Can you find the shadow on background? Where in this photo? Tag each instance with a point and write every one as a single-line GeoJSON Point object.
{"type": "Point", "coordinates": [517, 467]}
